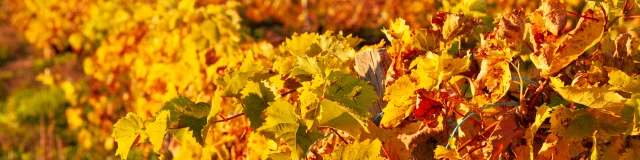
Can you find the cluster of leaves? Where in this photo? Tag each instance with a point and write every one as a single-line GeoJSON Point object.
{"type": "Point", "coordinates": [451, 87]}
{"type": "Point", "coordinates": [311, 90]}
{"type": "Point", "coordinates": [129, 52]}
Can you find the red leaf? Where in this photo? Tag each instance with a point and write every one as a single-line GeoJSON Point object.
{"type": "Point", "coordinates": [427, 107]}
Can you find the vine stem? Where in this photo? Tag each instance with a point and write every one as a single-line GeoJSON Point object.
{"type": "Point", "coordinates": [529, 46]}
{"type": "Point", "coordinates": [473, 150]}
{"type": "Point", "coordinates": [624, 7]}
{"type": "Point", "coordinates": [472, 120]}
{"type": "Point", "coordinates": [630, 17]}
{"type": "Point", "coordinates": [343, 140]}
{"type": "Point", "coordinates": [538, 91]}
{"type": "Point", "coordinates": [228, 118]}
{"type": "Point", "coordinates": [386, 152]}
{"type": "Point", "coordinates": [488, 130]}
{"type": "Point", "coordinates": [582, 16]}
{"type": "Point", "coordinates": [595, 52]}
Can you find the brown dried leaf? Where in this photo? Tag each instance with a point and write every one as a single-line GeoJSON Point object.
{"type": "Point", "coordinates": [454, 25]}
{"type": "Point", "coordinates": [554, 15]}
{"type": "Point", "coordinates": [587, 33]}
{"type": "Point", "coordinates": [496, 77]}
{"type": "Point", "coordinates": [511, 27]}
{"type": "Point", "coordinates": [506, 131]}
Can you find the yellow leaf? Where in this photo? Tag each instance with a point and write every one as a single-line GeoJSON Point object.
{"type": "Point", "coordinates": [594, 97]}
{"type": "Point", "coordinates": [554, 15]}
{"type": "Point", "coordinates": [442, 151]}
{"type": "Point", "coordinates": [624, 82]}
{"type": "Point", "coordinates": [401, 101]}
{"type": "Point", "coordinates": [397, 29]}
{"type": "Point", "coordinates": [587, 33]}
{"type": "Point", "coordinates": [496, 77]}
{"type": "Point", "coordinates": [543, 112]}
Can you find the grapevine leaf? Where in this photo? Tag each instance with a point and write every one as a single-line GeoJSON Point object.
{"type": "Point", "coordinates": [351, 92]}
{"type": "Point", "coordinates": [256, 97]}
{"type": "Point", "coordinates": [306, 66]}
{"type": "Point", "coordinates": [309, 102]}
{"type": "Point", "coordinates": [555, 148]}
{"type": "Point", "coordinates": [633, 152]}
{"type": "Point", "coordinates": [587, 33]}
{"type": "Point", "coordinates": [554, 15]}
{"type": "Point", "coordinates": [401, 98]}
{"type": "Point", "coordinates": [455, 25]}
{"type": "Point", "coordinates": [442, 151]}
{"type": "Point", "coordinates": [353, 97]}
{"type": "Point", "coordinates": [397, 29]}
{"type": "Point", "coordinates": [282, 122]}
{"type": "Point", "coordinates": [631, 112]}
{"type": "Point", "coordinates": [234, 81]}
{"type": "Point", "coordinates": [580, 124]}
{"type": "Point", "coordinates": [366, 149]}
{"type": "Point", "coordinates": [259, 147]}
{"type": "Point", "coordinates": [390, 140]}
{"type": "Point", "coordinates": [511, 27]}
{"type": "Point", "coordinates": [425, 40]}
{"type": "Point", "coordinates": [572, 126]}
{"type": "Point", "coordinates": [433, 69]}
{"type": "Point", "coordinates": [594, 97]}
{"type": "Point", "coordinates": [504, 133]}
{"type": "Point", "coordinates": [157, 130]}
{"type": "Point", "coordinates": [279, 156]}
{"type": "Point", "coordinates": [300, 44]}
{"type": "Point", "coordinates": [621, 54]}
{"type": "Point", "coordinates": [543, 112]}
{"type": "Point", "coordinates": [624, 82]}
{"type": "Point", "coordinates": [337, 116]}
{"type": "Point", "coordinates": [126, 131]}
{"type": "Point", "coordinates": [496, 77]}
{"type": "Point", "coordinates": [189, 114]}
{"type": "Point", "coordinates": [328, 44]}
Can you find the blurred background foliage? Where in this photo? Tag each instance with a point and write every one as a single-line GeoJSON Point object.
{"type": "Point", "coordinates": [69, 69]}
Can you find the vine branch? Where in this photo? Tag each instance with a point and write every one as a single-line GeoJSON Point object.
{"type": "Point", "coordinates": [228, 118]}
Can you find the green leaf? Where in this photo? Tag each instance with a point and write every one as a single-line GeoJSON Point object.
{"type": "Point", "coordinates": [126, 131]}
{"type": "Point", "coordinates": [189, 114]}
{"type": "Point", "coordinates": [255, 99]}
{"type": "Point", "coordinates": [157, 129]}
{"type": "Point", "coordinates": [282, 121]}
{"type": "Point", "coordinates": [624, 82]}
{"type": "Point", "coordinates": [366, 149]}
{"type": "Point", "coordinates": [594, 97]}
{"type": "Point", "coordinates": [351, 99]}
{"type": "Point", "coordinates": [572, 126]}
{"type": "Point", "coordinates": [580, 124]}
{"type": "Point", "coordinates": [337, 116]}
